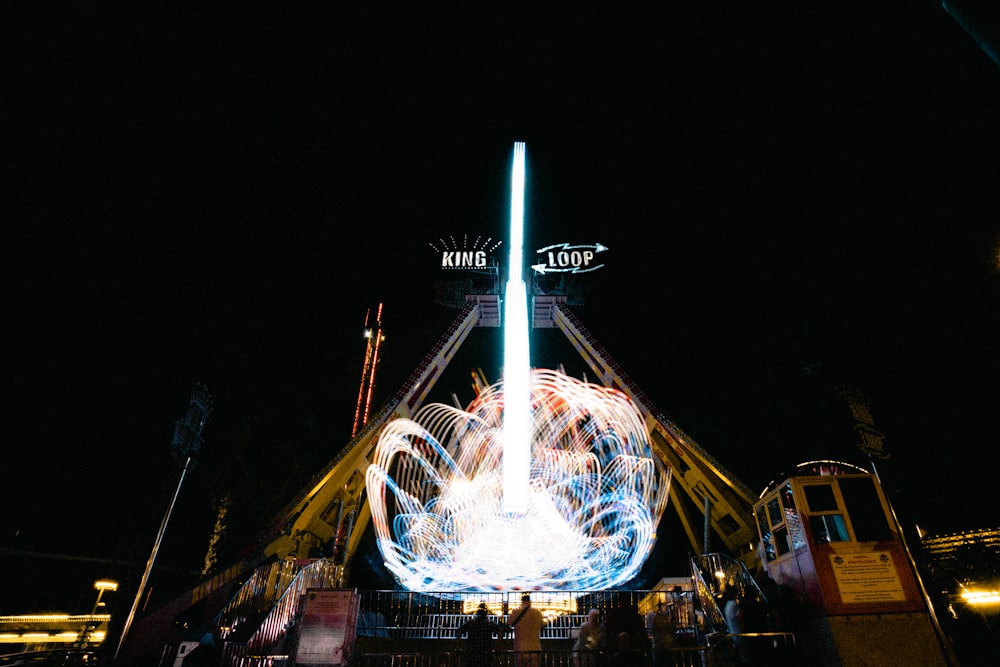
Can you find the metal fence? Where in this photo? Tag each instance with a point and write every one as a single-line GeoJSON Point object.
{"type": "Point", "coordinates": [408, 615]}
{"type": "Point", "coordinates": [70, 657]}
{"type": "Point", "coordinates": [409, 629]}
{"type": "Point", "coordinates": [700, 656]}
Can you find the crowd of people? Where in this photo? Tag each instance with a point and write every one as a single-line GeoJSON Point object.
{"type": "Point", "coordinates": [623, 636]}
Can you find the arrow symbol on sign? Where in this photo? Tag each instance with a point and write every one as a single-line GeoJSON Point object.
{"type": "Point", "coordinates": [566, 258]}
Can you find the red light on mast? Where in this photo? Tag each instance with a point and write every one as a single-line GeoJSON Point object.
{"type": "Point", "coordinates": [373, 348]}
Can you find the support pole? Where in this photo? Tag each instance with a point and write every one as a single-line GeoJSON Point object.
{"type": "Point", "coordinates": [946, 647]}
{"type": "Point", "coordinates": [347, 541]}
{"type": "Point", "coordinates": [152, 558]}
{"type": "Point", "coordinates": [186, 443]}
{"type": "Point", "coordinates": [708, 524]}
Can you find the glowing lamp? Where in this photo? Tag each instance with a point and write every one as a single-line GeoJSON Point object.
{"type": "Point", "coordinates": [980, 597]}
{"type": "Point", "coordinates": [100, 586]}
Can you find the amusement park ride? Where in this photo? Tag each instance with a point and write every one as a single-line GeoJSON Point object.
{"type": "Point", "coordinates": [825, 533]}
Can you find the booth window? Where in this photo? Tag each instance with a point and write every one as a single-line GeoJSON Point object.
{"type": "Point", "coordinates": [825, 518]}
{"type": "Point", "coordinates": [793, 521]}
{"type": "Point", "coordinates": [865, 509]}
{"type": "Point", "coordinates": [766, 539]}
{"type": "Point", "coordinates": [853, 497]}
{"type": "Point", "coordinates": [779, 524]}
{"type": "Point", "coordinates": [829, 528]}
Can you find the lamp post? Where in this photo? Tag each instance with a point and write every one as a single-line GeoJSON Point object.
{"type": "Point", "coordinates": [186, 443]}
{"type": "Point", "coordinates": [102, 585]}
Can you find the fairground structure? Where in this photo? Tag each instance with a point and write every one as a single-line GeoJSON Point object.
{"type": "Point", "coordinates": [572, 476]}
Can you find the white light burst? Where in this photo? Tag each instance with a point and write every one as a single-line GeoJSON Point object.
{"type": "Point", "coordinates": [595, 493]}
{"type": "Point", "coordinates": [543, 483]}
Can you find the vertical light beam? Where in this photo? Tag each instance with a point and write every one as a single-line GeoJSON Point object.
{"type": "Point", "coordinates": [561, 468]}
{"type": "Point", "coordinates": [517, 394]}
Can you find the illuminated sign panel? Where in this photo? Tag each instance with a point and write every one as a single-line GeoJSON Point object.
{"type": "Point", "coordinates": [465, 255]}
{"type": "Point", "coordinates": [556, 258]}
{"type": "Point", "coordinates": [563, 257]}
{"type": "Point", "coordinates": [463, 260]}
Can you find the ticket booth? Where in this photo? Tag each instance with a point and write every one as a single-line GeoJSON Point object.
{"type": "Point", "coordinates": [829, 541]}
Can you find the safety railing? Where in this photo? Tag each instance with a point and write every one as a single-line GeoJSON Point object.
{"type": "Point", "coordinates": [724, 574]}
{"type": "Point", "coordinates": [409, 615]}
{"type": "Point", "coordinates": [65, 657]}
{"type": "Point", "coordinates": [281, 590]}
{"type": "Point", "coordinates": [436, 659]}
{"type": "Point", "coordinates": [697, 656]}
{"type": "Point", "coordinates": [406, 619]}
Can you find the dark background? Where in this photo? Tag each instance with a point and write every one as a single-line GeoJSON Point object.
{"type": "Point", "coordinates": [794, 198]}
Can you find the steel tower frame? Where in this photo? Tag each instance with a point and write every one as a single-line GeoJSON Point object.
{"type": "Point", "coordinates": [333, 509]}
{"type": "Point", "coordinates": [330, 515]}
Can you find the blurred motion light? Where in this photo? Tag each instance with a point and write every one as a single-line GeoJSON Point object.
{"type": "Point", "coordinates": [980, 597]}
{"type": "Point", "coordinates": [543, 483]}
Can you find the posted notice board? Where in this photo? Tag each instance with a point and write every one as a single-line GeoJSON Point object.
{"type": "Point", "coordinates": [326, 628]}
{"type": "Point", "coordinates": [867, 578]}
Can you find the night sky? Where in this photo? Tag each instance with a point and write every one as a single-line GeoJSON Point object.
{"type": "Point", "coordinates": [793, 199]}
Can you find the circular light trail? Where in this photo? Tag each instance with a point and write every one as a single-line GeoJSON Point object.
{"type": "Point", "coordinates": [595, 493]}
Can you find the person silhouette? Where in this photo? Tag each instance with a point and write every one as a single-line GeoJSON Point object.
{"type": "Point", "coordinates": [480, 629]}
{"type": "Point", "coordinates": [660, 625]}
{"type": "Point", "coordinates": [589, 641]}
{"type": "Point", "coordinates": [527, 624]}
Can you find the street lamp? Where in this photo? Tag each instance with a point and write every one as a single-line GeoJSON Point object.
{"type": "Point", "coordinates": [102, 585]}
